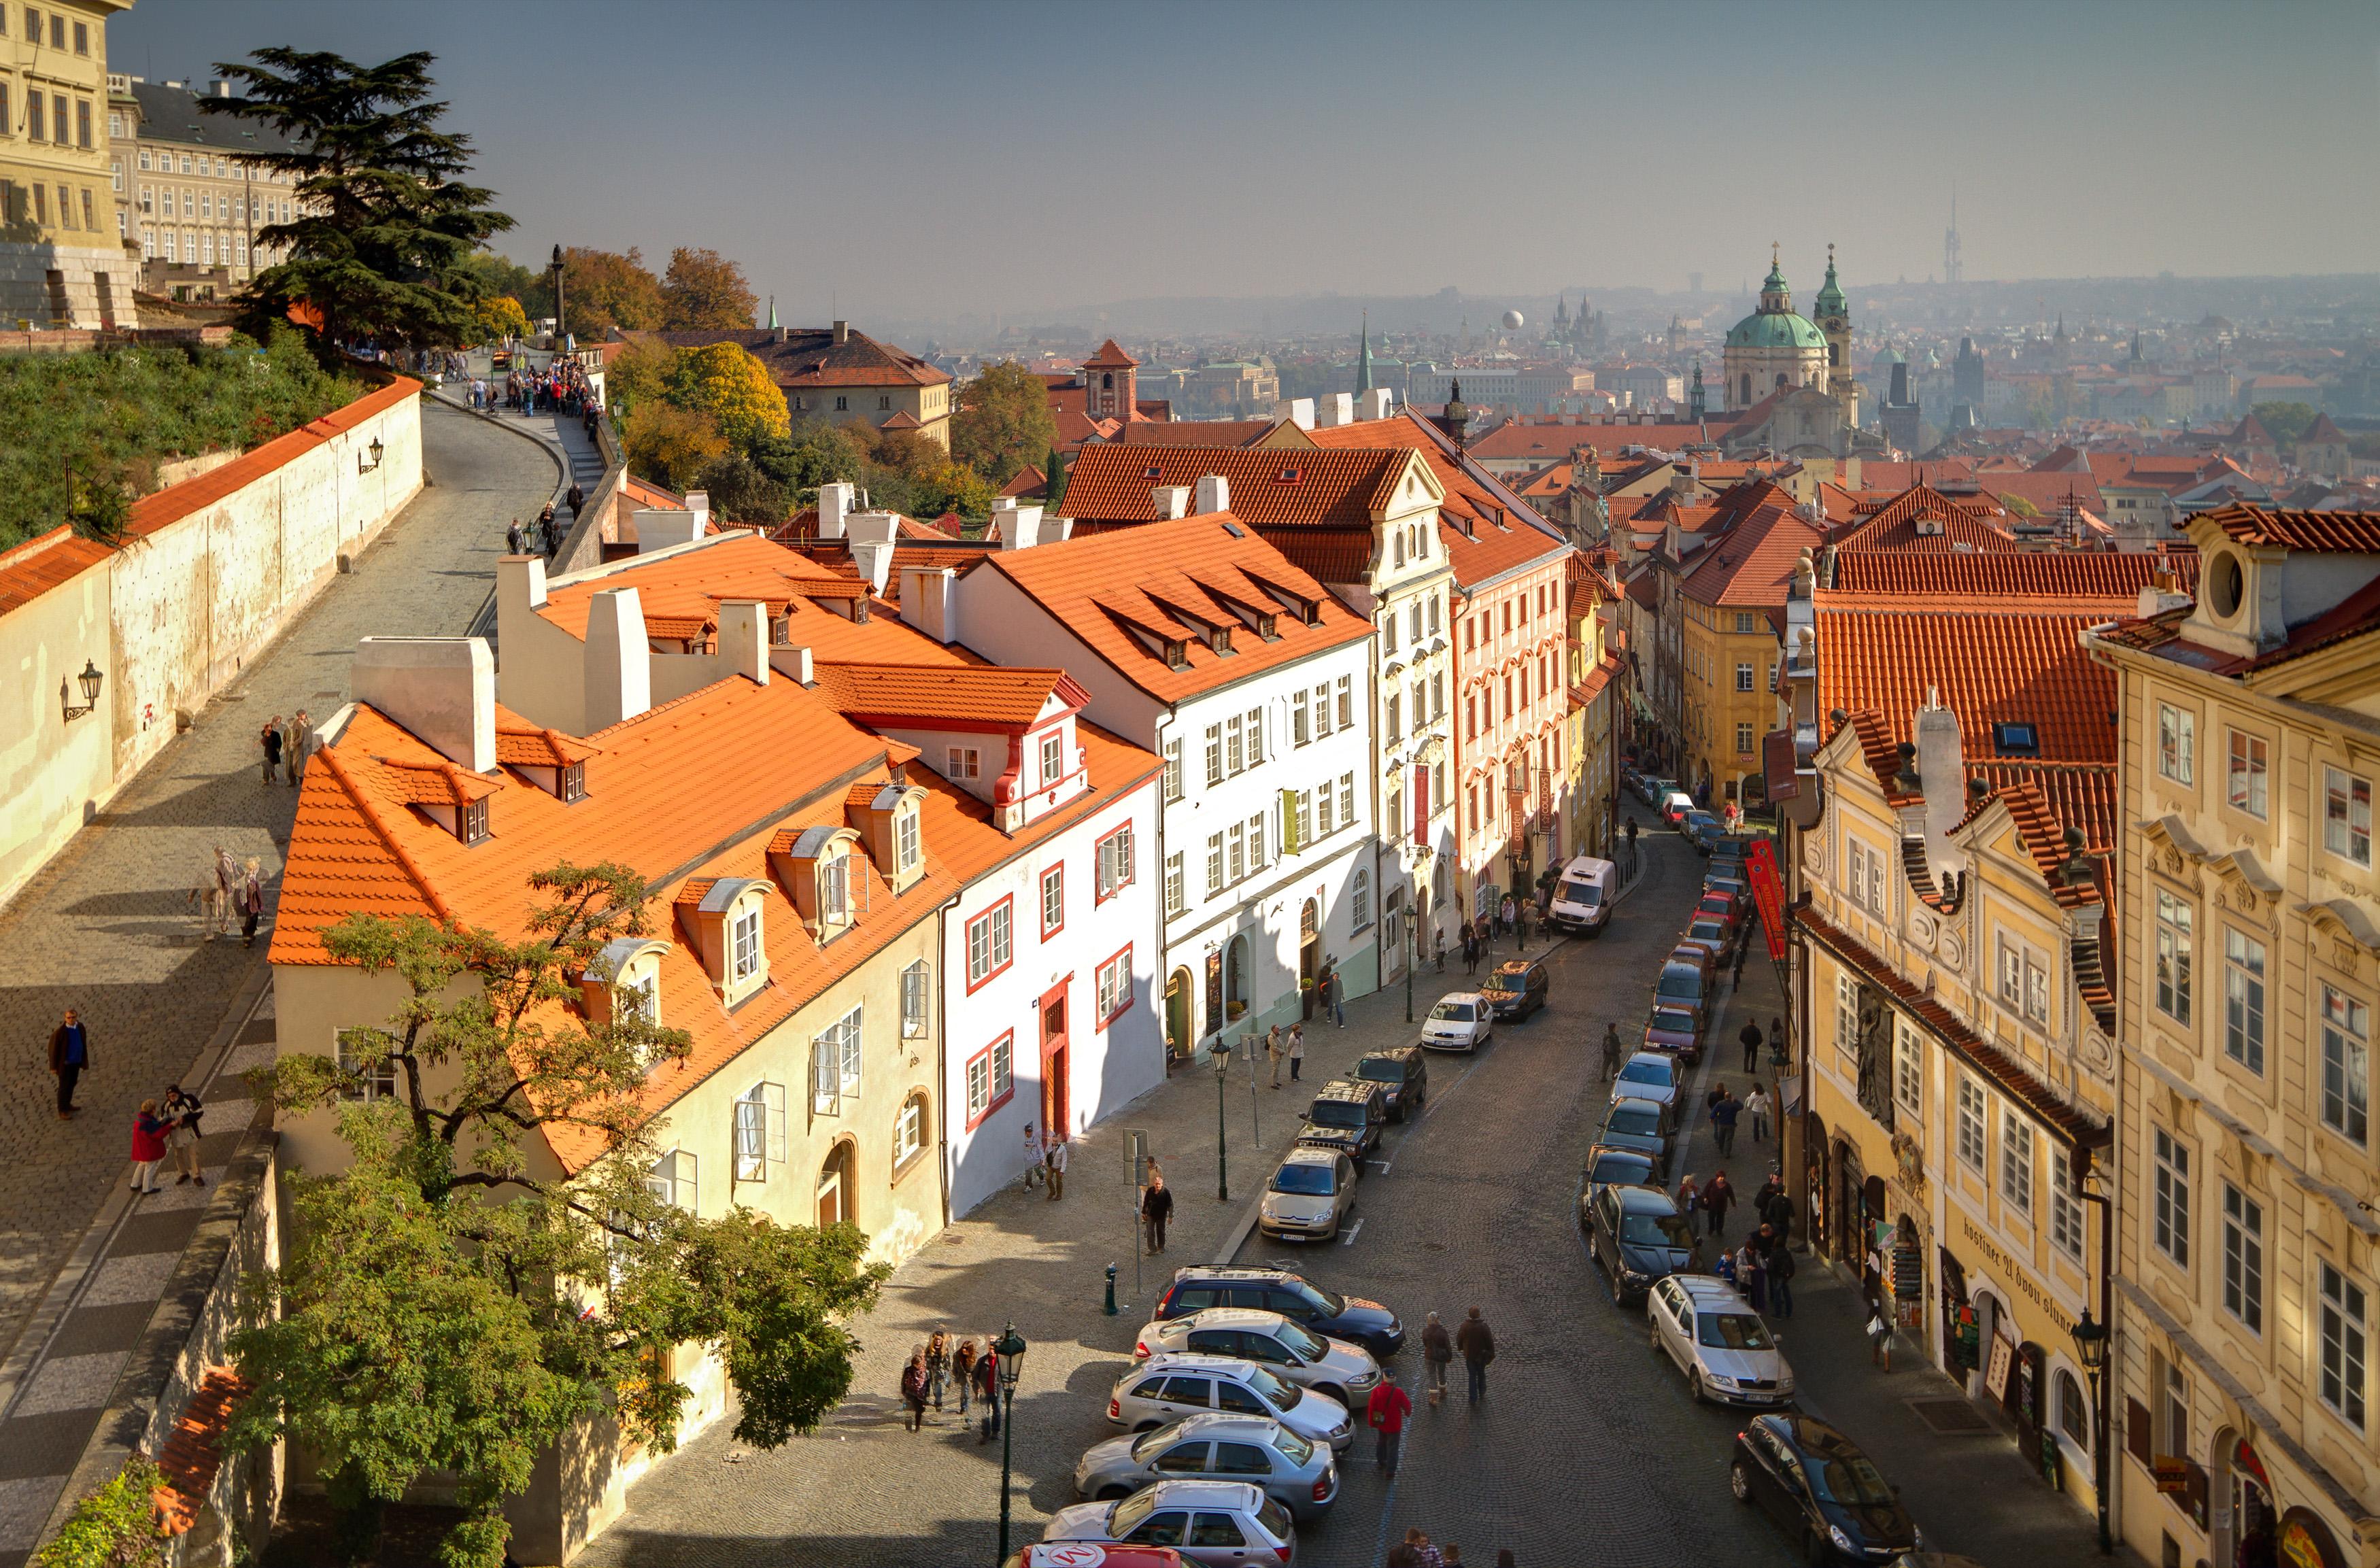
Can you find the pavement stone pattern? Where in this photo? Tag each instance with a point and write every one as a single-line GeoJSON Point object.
{"type": "Point", "coordinates": [1586, 1447]}
{"type": "Point", "coordinates": [106, 927]}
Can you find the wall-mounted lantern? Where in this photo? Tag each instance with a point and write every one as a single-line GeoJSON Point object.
{"type": "Point", "coordinates": [88, 680]}
{"type": "Point", "coordinates": [368, 460]}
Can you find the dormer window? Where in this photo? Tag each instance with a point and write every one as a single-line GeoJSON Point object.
{"type": "Point", "coordinates": [1053, 758]}
{"type": "Point", "coordinates": [835, 894]}
{"type": "Point", "coordinates": [964, 763]}
{"type": "Point", "coordinates": [728, 920]}
{"type": "Point", "coordinates": [904, 841]}
{"type": "Point", "coordinates": [1267, 627]}
{"type": "Point", "coordinates": [1220, 640]}
{"type": "Point", "coordinates": [471, 822]}
{"type": "Point", "coordinates": [574, 782]}
{"type": "Point", "coordinates": [744, 951]}
{"type": "Point", "coordinates": [1177, 654]}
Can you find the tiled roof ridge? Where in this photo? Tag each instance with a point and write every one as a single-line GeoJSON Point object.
{"type": "Point", "coordinates": [192, 1454]}
{"type": "Point", "coordinates": [370, 810]}
{"type": "Point", "coordinates": [177, 501]}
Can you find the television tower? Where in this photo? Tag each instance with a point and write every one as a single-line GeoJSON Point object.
{"type": "Point", "coordinates": [1953, 269]}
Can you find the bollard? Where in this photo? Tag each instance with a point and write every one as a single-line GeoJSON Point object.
{"type": "Point", "coordinates": [1110, 1307]}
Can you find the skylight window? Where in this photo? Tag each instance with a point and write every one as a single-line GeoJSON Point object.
{"type": "Point", "coordinates": [2016, 739]}
{"type": "Point", "coordinates": [1289, 476]}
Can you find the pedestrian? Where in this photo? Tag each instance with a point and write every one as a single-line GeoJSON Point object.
{"type": "Point", "coordinates": [1406, 1553]}
{"type": "Point", "coordinates": [1689, 1204]}
{"type": "Point", "coordinates": [1470, 948]}
{"type": "Point", "coordinates": [577, 499]}
{"type": "Point", "coordinates": [1779, 1213]}
{"type": "Point", "coordinates": [1437, 1355]}
{"type": "Point", "coordinates": [1441, 938]}
{"type": "Point", "coordinates": [1632, 837]}
{"type": "Point", "coordinates": [1506, 913]}
{"type": "Point", "coordinates": [1718, 1197]}
{"type": "Point", "coordinates": [1750, 1037]}
{"type": "Point", "coordinates": [963, 1373]}
{"type": "Point", "coordinates": [289, 753]}
{"type": "Point", "coordinates": [181, 1114]}
{"type": "Point", "coordinates": [148, 1147]}
{"type": "Point", "coordinates": [69, 1054]}
{"type": "Point", "coordinates": [1776, 1038]}
{"type": "Point", "coordinates": [227, 888]}
{"type": "Point", "coordinates": [1756, 1102]}
{"type": "Point", "coordinates": [1724, 1117]}
{"type": "Point", "coordinates": [1751, 1275]}
{"type": "Point", "coordinates": [913, 1388]}
{"type": "Point", "coordinates": [1156, 1207]}
{"type": "Point", "coordinates": [1613, 1051]}
{"type": "Point", "coordinates": [1879, 1336]}
{"type": "Point", "coordinates": [1056, 1161]}
{"type": "Point", "coordinates": [1274, 1053]}
{"type": "Point", "coordinates": [1768, 1189]}
{"type": "Point", "coordinates": [269, 741]}
{"type": "Point", "coordinates": [1335, 994]}
{"type": "Point", "coordinates": [1780, 1274]}
{"type": "Point", "coordinates": [301, 745]}
{"type": "Point", "coordinates": [1386, 1410]}
{"type": "Point", "coordinates": [250, 895]}
{"type": "Point", "coordinates": [1478, 1343]}
{"type": "Point", "coordinates": [986, 1388]}
{"type": "Point", "coordinates": [1452, 1556]}
{"type": "Point", "coordinates": [1296, 1050]}
{"type": "Point", "coordinates": [513, 538]}
{"type": "Point", "coordinates": [938, 1365]}
{"type": "Point", "coordinates": [1035, 1170]}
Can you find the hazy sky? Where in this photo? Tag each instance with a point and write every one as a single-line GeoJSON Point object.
{"type": "Point", "coordinates": [889, 159]}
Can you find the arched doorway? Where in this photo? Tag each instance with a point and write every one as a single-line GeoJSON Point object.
{"type": "Point", "coordinates": [836, 1189]}
{"type": "Point", "coordinates": [1309, 957]}
{"type": "Point", "coordinates": [1238, 983]}
{"type": "Point", "coordinates": [1817, 1210]}
{"type": "Point", "coordinates": [1177, 1014]}
{"type": "Point", "coordinates": [2240, 1482]}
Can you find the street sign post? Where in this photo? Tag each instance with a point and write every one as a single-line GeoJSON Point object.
{"type": "Point", "coordinates": [1136, 1163]}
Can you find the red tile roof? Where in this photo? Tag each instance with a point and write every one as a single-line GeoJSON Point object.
{"type": "Point", "coordinates": [915, 695]}
{"type": "Point", "coordinates": [1195, 433]}
{"type": "Point", "coordinates": [1269, 490]}
{"type": "Point", "coordinates": [1489, 529]}
{"type": "Point", "coordinates": [1921, 517]}
{"type": "Point", "coordinates": [192, 1455]}
{"type": "Point", "coordinates": [683, 590]}
{"type": "Point", "coordinates": [1110, 356]}
{"type": "Point", "coordinates": [48, 561]}
{"type": "Point", "coordinates": [808, 356]}
{"type": "Point", "coordinates": [2352, 533]}
{"type": "Point", "coordinates": [1752, 565]}
{"type": "Point", "coordinates": [1922, 574]}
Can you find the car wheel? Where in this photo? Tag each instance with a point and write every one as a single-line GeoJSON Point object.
{"type": "Point", "coordinates": [1738, 1482]}
{"type": "Point", "coordinates": [1619, 1291]}
{"type": "Point", "coordinates": [1331, 1390]}
{"type": "Point", "coordinates": [1813, 1548]}
{"type": "Point", "coordinates": [1695, 1389]}
{"type": "Point", "coordinates": [1112, 1494]}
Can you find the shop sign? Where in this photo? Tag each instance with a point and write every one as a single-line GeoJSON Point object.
{"type": "Point", "coordinates": [2003, 1357]}
{"type": "Point", "coordinates": [2172, 1475]}
{"type": "Point", "coordinates": [2306, 1542]}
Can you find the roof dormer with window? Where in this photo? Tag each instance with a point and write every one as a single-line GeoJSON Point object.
{"type": "Point", "coordinates": [822, 869]}
{"type": "Point", "coordinates": [727, 920]}
{"type": "Point", "coordinates": [890, 818]}
{"type": "Point", "coordinates": [455, 800]}
{"type": "Point", "coordinates": [625, 978]}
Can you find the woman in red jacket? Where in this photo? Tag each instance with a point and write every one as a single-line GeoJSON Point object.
{"type": "Point", "coordinates": [148, 1147]}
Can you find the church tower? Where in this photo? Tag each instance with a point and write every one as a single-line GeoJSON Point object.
{"type": "Point", "coordinates": [1364, 357]}
{"type": "Point", "coordinates": [1834, 322]}
{"type": "Point", "coordinates": [1110, 383]}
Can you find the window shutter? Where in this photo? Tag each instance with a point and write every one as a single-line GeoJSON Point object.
{"type": "Point", "coordinates": [2136, 1432]}
{"type": "Point", "coordinates": [772, 1098]}
{"type": "Point", "coordinates": [751, 1139]}
{"type": "Point", "coordinates": [689, 1184]}
{"type": "Point", "coordinates": [826, 1077]}
{"type": "Point", "coordinates": [851, 1054]}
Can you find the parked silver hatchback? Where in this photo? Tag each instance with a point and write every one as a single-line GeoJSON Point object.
{"type": "Point", "coordinates": [1300, 1476]}
{"type": "Point", "coordinates": [1215, 1524]}
{"type": "Point", "coordinates": [1167, 1387]}
{"type": "Point", "coordinates": [1718, 1341]}
{"type": "Point", "coordinates": [1340, 1368]}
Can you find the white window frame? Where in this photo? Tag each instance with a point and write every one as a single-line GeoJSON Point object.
{"type": "Point", "coordinates": [1175, 892]}
{"type": "Point", "coordinates": [2346, 816]}
{"type": "Point", "coordinates": [1174, 769]}
{"type": "Point", "coordinates": [2065, 1219]}
{"type": "Point", "coordinates": [1053, 758]}
{"type": "Point", "coordinates": [1971, 1125]}
{"type": "Point", "coordinates": [379, 1085]}
{"type": "Point", "coordinates": [2243, 1260]}
{"type": "Point", "coordinates": [744, 944]}
{"type": "Point", "coordinates": [1907, 1067]}
{"type": "Point", "coordinates": [1118, 863]}
{"type": "Point", "coordinates": [2248, 769]}
{"type": "Point", "coordinates": [1346, 800]}
{"type": "Point", "coordinates": [2177, 924]}
{"type": "Point", "coordinates": [1359, 899]}
{"type": "Point", "coordinates": [916, 998]}
{"type": "Point", "coordinates": [2169, 1219]}
{"type": "Point", "coordinates": [2346, 1065]}
{"type": "Point", "coordinates": [2177, 744]}
{"type": "Point", "coordinates": [759, 1132]}
{"type": "Point", "coordinates": [904, 840]}
{"type": "Point", "coordinates": [2243, 999]}
{"type": "Point", "coordinates": [676, 1179]}
{"type": "Point", "coordinates": [989, 956]}
{"type": "Point", "coordinates": [963, 762]}
{"type": "Point", "coordinates": [908, 1130]}
{"type": "Point", "coordinates": [2016, 1163]}
{"type": "Point", "coordinates": [2342, 1343]}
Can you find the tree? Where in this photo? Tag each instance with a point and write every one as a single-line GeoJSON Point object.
{"type": "Point", "coordinates": [669, 445]}
{"type": "Point", "coordinates": [741, 493]}
{"type": "Point", "coordinates": [1003, 421]}
{"type": "Point", "coordinates": [602, 289]}
{"type": "Point", "coordinates": [949, 486]}
{"type": "Point", "coordinates": [2284, 422]}
{"type": "Point", "coordinates": [724, 381]}
{"type": "Point", "coordinates": [639, 373]}
{"type": "Point", "coordinates": [447, 1305]}
{"type": "Point", "coordinates": [499, 315]}
{"type": "Point", "coordinates": [1055, 468]}
{"type": "Point", "coordinates": [501, 275]}
{"type": "Point", "coordinates": [381, 242]}
{"type": "Point", "coordinates": [703, 290]}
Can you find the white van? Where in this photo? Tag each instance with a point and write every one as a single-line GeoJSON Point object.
{"type": "Point", "coordinates": [1583, 894]}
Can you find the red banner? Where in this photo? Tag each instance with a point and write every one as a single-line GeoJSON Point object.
{"type": "Point", "coordinates": [1421, 804]}
{"type": "Point", "coordinates": [1769, 893]}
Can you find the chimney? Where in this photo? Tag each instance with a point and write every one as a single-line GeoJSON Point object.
{"type": "Point", "coordinates": [835, 506]}
{"type": "Point", "coordinates": [1298, 411]}
{"type": "Point", "coordinates": [520, 579]}
{"type": "Point", "coordinates": [842, 334]}
{"type": "Point", "coordinates": [1173, 501]}
{"type": "Point", "coordinates": [221, 88]}
{"type": "Point", "coordinates": [658, 528]}
{"type": "Point", "coordinates": [699, 503]}
{"type": "Point", "coordinates": [1372, 405]}
{"type": "Point", "coordinates": [619, 659]}
{"type": "Point", "coordinates": [929, 602]}
{"type": "Point", "coordinates": [744, 637]}
{"type": "Point", "coordinates": [1215, 493]}
{"type": "Point", "coordinates": [874, 559]}
{"type": "Point", "coordinates": [441, 688]}
{"type": "Point", "coordinates": [784, 333]}
{"type": "Point", "coordinates": [871, 527]}
{"type": "Point", "coordinates": [1019, 523]}
{"type": "Point", "coordinates": [794, 663]}
{"type": "Point", "coordinates": [1335, 408]}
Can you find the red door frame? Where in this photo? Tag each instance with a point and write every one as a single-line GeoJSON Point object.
{"type": "Point", "coordinates": [1056, 1111]}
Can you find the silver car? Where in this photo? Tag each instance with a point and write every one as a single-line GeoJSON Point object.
{"type": "Point", "coordinates": [1167, 1387]}
{"type": "Point", "coordinates": [1462, 1021]}
{"type": "Point", "coordinates": [1719, 1341]}
{"type": "Point", "coordinates": [1648, 1075]}
{"type": "Point", "coordinates": [1215, 1524]}
{"type": "Point", "coordinates": [1343, 1370]}
{"type": "Point", "coordinates": [1300, 1476]}
{"type": "Point", "coordinates": [1310, 1195]}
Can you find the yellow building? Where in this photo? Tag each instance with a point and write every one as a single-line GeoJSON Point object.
{"type": "Point", "coordinates": [1730, 607]}
{"type": "Point", "coordinates": [841, 376]}
{"type": "Point", "coordinates": [1596, 692]}
{"type": "Point", "coordinates": [64, 262]}
{"type": "Point", "coordinates": [194, 203]}
{"type": "Point", "coordinates": [2251, 734]}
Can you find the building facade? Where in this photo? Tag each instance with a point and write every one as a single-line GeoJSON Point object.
{"type": "Point", "coordinates": [841, 376]}
{"type": "Point", "coordinates": [63, 257]}
{"type": "Point", "coordinates": [194, 204]}
{"type": "Point", "coordinates": [1774, 349]}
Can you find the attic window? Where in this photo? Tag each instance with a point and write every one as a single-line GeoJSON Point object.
{"type": "Point", "coordinates": [1221, 638]}
{"type": "Point", "coordinates": [1267, 627]}
{"type": "Point", "coordinates": [574, 782]}
{"type": "Point", "coordinates": [1289, 476]}
{"type": "Point", "coordinates": [1177, 654]}
{"type": "Point", "coordinates": [2016, 739]}
{"type": "Point", "coordinates": [471, 821]}
{"type": "Point", "coordinates": [1152, 471]}
{"type": "Point", "coordinates": [1234, 530]}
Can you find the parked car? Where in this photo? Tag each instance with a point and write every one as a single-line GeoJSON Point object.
{"type": "Point", "coordinates": [1644, 1125]}
{"type": "Point", "coordinates": [1651, 787]}
{"type": "Point", "coordinates": [1609, 1167]}
{"type": "Point", "coordinates": [1461, 1021]}
{"type": "Point", "coordinates": [1310, 1195]}
{"type": "Point", "coordinates": [1581, 900]}
{"type": "Point", "coordinates": [1303, 1476]}
{"type": "Point", "coordinates": [1683, 982]}
{"type": "Point", "coordinates": [1721, 905]}
{"type": "Point", "coordinates": [1678, 1030]}
{"type": "Point", "coordinates": [1702, 829]}
{"type": "Point", "coordinates": [1648, 1075]}
{"type": "Point", "coordinates": [1675, 808]}
{"type": "Point", "coordinates": [1202, 1285]}
{"type": "Point", "coordinates": [1214, 1524]}
{"type": "Point", "coordinates": [1518, 988]}
{"type": "Point", "coordinates": [1069, 1554]}
{"type": "Point", "coordinates": [1815, 1482]}
{"type": "Point", "coordinates": [1638, 1239]}
{"type": "Point", "coordinates": [1166, 1387]}
{"type": "Point", "coordinates": [1402, 1073]}
{"type": "Point", "coordinates": [1346, 1114]}
{"type": "Point", "coordinates": [1696, 954]}
{"type": "Point", "coordinates": [1341, 1368]}
{"type": "Point", "coordinates": [1735, 885]}
{"type": "Point", "coordinates": [1710, 931]}
{"type": "Point", "coordinates": [1719, 1343]}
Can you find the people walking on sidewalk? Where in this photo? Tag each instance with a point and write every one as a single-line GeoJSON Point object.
{"type": "Point", "coordinates": [1775, 1037]}
{"type": "Point", "coordinates": [1506, 913]}
{"type": "Point", "coordinates": [252, 901]}
{"type": "Point", "coordinates": [1386, 1410]}
{"type": "Point", "coordinates": [1470, 948]}
{"type": "Point", "coordinates": [1056, 1163]}
{"type": "Point", "coordinates": [1296, 1051]}
{"type": "Point", "coordinates": [938, 1365]}
{"type": "Point", "coordinates": [1689, 1204]}
{"type": "Point", "coordinates": [226, 889]}
{"type": "Point", "coordinates": [181, 1114]}
{"type": "Point", "coordinates": [148, 1147]}
{"type": "Point", "coordinates": [1037, 1168]}
{"type": "Point", "coordinates": [1724, 1113]}
{"type": "Point", "coordinates": [1749, 1039]}
{"type": "Point", "coordinates": [1156, 1207]}
{"type": "Point", "coordinates": [1779, 1211]}
{"type": "Point", "coordinates": [1274, 1053]}
{"type": "Point", "coordinates": [513, 538]}
{"type": "Point", "coordinates": [301, 746]}
{"type": "Point", "coordinates": [986, 1388]}
{"type": "Point", "coordinates": [1756, 1105]}
{"type": "Point", "coordinates": [913, 1388]}
{"type": "Point", "coordinates": [69, 1054]}
{"type": "Point", "coordinates": [1612, 1054]}
{"type": "Point", "coordinates": [1718, 1197]}
{"type": "Point", "coordinates": [1437, 1355]}
{"type": "Point", "coordinates": [270, 743]}
{"type": "Point", "coordinates": [1440, 937]}
{"type": "Point", "coordinates": [577, 498]}
{"type": "Point", "coordinates": [1478, 1343]}
{"type": "Point", "coordinates": [963, 1362]}
{"type": "Point", "coordinates": [1781, 1274]}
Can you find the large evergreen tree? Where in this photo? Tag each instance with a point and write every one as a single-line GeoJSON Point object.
{"type": "Point", "coordinates": [381, 243]}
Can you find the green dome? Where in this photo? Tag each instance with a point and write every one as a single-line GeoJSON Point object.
{"type": "Point", "coordinates": [1775, 329]}
{"type": "Point", "coordinates": [1830, 298]}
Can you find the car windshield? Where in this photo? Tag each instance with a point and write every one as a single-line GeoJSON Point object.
{"type": "Point", "coordinates": [1669, 1021]}
{"type": "Point", "coordinates": [1288, 1443]}
{"type": "Point", "coordinates": [1733, 1330]}
{"type": "Point", "coordinates": [1706, 931]}
{"type": "Point", "coordinates": [1503, 980]}
{"type": "Point", "coordinates": [1125, 1516]}
{"type": "Point", "coordinates": [1851, 1480]}
{"type": "Point", "coordinates": [1454, 1012]}
{"type": "Point", "coordinates": [1325, 1302]}
{"type": "Point", "coordinates": [1381, 1070]}
{"type": "Point", "coordinates": [1156, 1442]}
{"type": "Point", "coordinates": [1275, 1519]}
{"type": "Point", "coordinates": [1657, 1230]}
{"type": "Point", "coordinates": [1680, 983]}
{"type": "Point", "coordinates": [1646, 1073]}
{"type": "Point", "coordinates": [1336, 1113]}
{"type": "Point", "coordinates": [1588, 893]}
{"type": "Point", "coordinates": [1304, 1177]}
{"type": "Point", "coordinates": [1275, 1393]}
{"type": "Point", "coordinates": [1303, 1341]}
{"type": "Point", "coordinates": [1642, 1118]}
{"type": "Point", "coordinates": [1624, 1170]}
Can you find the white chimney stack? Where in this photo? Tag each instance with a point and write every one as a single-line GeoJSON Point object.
{"type": "Point", "coordinates": [794, 663]}
{"type": "Point", "coordinates": [1336, 409]}
{"type": "Point", "coordinates": [1173, 501]}
{"type": "Point", "coordinates": [1298, 411]}
{"type": "Point", "coordinates": [875, 528]}
{"type": "Point", "coordinates": [520, 579]}
{"type": "Point", "coordinates": [441, 688]}
{"type": "Point", "coordinates": [743, 639]}
{"type": "Point", "coordinates": [658, 528]}
{"type": "Point", "coordinates": [619, 659]}
{"type": "Point", "coordinates": [929, 602]}
{"type": "Point", "coordinates": [874, 559]}
{"type": "Point", "coordinates": [835, 506]}
{"type": "Point", "coordinates": [1372, 405]}
{"type": "Point", "coordinates": [698, 501]}
{"type": "Point", "coordinates": [1214, 494]}
{"type": "Point", "coordinates": [1019, 523]}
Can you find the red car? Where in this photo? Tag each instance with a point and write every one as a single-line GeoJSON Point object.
{"type": "Point", "coordinates": [1675, 1031]}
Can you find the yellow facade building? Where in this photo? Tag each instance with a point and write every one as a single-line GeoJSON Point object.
{"type": "Point", "coordinates": [64, 262]}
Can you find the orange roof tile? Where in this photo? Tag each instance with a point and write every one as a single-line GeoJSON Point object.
{"type": "Point", "coordinates": [916, 695]}
{"type": "Point", "coordinates": [48, 561]}
{"type": "Point", "coordinates": [1269, 490]}
{"type": "Point", "coordinates": [520, 743]}
{"type": "Point", "coordinates": [192, 1454]}
{"type": "Point", "coordinates": [1752, 565]}
{"type": "Point", "coordinates": [1489, 529]}
{"type": "Point", "coordinates": [1921, 517]}
{"type": "Point", "coordinates": [1195, 433]}
{"type": "Point", "coordinates": [2352, 533]}
{"type": "Point", "coordinates": [683, 590]}
{"type": "Point", "coordinates": [1110, 356]}
{"type": "Point", "coordinates": [2108, 575]}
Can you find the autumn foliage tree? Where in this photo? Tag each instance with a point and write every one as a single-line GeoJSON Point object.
{"type": "Point", "coordinates": [724, 381]}
{"type": "Point", "coordinates": [447, 1305]}
{"type": "Point", "coordinates": [1002, 423]}
{"type": "Point", "coordinates": [602, 289]}
{"type": "Point", "coordinates": [703, 290]}
{"type": "Point", "coordinates": [669, 445]}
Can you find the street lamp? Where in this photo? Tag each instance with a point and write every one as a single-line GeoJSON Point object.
{"type": "Point", "coordinates": [88, 680]}
{"type": "Point", "coordinates": [368, 460]}
{"type": "Point", "coordinates": [2091, 1349]}
{"type": "Point", "coordinates": [1011, 1348]}
{"type": "Point", "coordinates": [1223, 1173]}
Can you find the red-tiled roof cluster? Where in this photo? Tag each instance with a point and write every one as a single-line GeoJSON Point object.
{"type": "Point", "coordinates": [1195, 433]}
{"type": "Point", "coordinates": [2350, 534]}
{"type": "Point", "coordinates": [1751, 567]}
{"type": "Point", "coordinates": [1269, 488]}
{"type": "Point", "coordinates": [809, 356]}
{"type": "Point", "coordinates": [1489, 529]}
{"type": "Point", "coordinates": [917, 693]}
{"type": "Point", "coordinates": [1917, 575]}
{"type": "Point", "coordinates": [192, 1455]}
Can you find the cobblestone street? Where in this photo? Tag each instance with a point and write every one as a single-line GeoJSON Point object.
{"type": "Point", "coordinates": [105, 927]}
{"type": "Point", "coordinates": [1587, 1448]}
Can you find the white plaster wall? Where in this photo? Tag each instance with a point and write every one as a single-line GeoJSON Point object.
{"type": "Point", "coordinates": [53, 772]}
